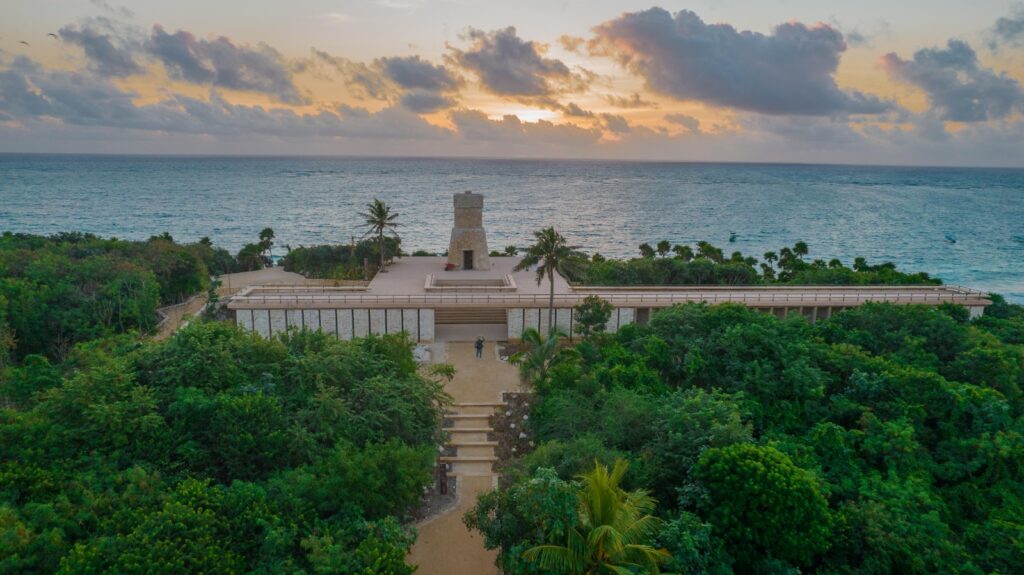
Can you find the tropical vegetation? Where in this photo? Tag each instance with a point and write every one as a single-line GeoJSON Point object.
{"type": "Point", "coordinates": [669, 264]}
{"type": "Point", "coordinates": [551, 255]}
{"type": "Point", "coordinates": [380, 222]}
{"type": "Point", "coordinates": [885, 439]}
{"type": "Point", "coordinates": [60, 290]}
{"type": "Point", "coordinates": [353, 261]}
{"type": "Point", "coordinates": [215, 451]}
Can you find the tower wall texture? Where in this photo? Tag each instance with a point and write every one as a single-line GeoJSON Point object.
{"type": "Point", "coordinates": [468, 233]}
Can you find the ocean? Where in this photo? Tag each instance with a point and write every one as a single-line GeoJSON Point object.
{"type": "Point", "coordinates": [898, 214]}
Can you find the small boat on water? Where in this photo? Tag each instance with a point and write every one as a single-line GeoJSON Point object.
{"type": "Point", "coordinates": [951, 238]}
{"type": "Point", "coordinates": [732, 237]}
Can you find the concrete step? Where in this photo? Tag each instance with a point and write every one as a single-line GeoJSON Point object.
{"type": "Point", "coordinates": [483, 416]}
{"type": "Point", "coordinates": [457, 459]}
{"type": "Point", "coordinates": [483, 409]}
{"type": "Point", "coordinates": [467, 429]}
{"type": "Point", "coordinates": [463, 436]}
{"type": "Point", "coordinates": [479, 404]}
{"type": "Point", "coordinates": [463, 315]}
{"type": "Point", "coordinates": [470, 422]}
{"type": "Point", "coordinates": [474, 473]}
{"type": "Point", "coordinates": [471, 468]}
{"type": "Point", "coordinates": [461, 441]}
{"type": "Point", "coordinates": [470, 451]}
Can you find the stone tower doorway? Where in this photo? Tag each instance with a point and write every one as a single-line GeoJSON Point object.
{"type": "Point", "coordinates": [468, 247]}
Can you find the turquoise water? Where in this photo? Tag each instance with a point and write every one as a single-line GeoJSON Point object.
{"type": "Point", "coordinates": [882, 213]}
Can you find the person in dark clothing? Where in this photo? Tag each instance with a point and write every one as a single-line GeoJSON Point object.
{"type": "Point", "coordinates": [479, 345]}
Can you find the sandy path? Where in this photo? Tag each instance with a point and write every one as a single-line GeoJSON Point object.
{"type": "Point", "coordinates": [444, 546]}
{"type": "Point", "coordinates": [178, 314]}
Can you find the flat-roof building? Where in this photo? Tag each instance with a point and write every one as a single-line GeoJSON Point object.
{"type": "Point", "coordinates": [468, 294]}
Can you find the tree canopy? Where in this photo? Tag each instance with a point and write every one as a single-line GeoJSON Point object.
{"type": "Point", "coordinates": [885, 439]}
{"type": "Point", "coordinates": [215, 451]}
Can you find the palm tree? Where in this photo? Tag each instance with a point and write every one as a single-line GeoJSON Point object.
{"type": "Point", "coordinates": [800, 249]}
{"type": "Point", "coordinates": [610, 536]}
{"type": "Point", "coordinates": [541, 354]}
{"type": "Point", "coordinates": [552, 255]}
{"type": "Point", "coordinates": [684, 253]}
{"type": "Point", "coordinates": [267, 244]}
{"type": "Point", "coordinates": [380, 220]}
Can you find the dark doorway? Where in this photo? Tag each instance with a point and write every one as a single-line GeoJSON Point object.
{"type": "Point", "coordinates": [467, 259]}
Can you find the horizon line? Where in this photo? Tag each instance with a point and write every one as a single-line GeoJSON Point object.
{"type": "Point", "coordinates": [200, 156]}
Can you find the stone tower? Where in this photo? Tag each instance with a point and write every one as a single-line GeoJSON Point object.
{"type": "Point", "coordinates": [468, 247]}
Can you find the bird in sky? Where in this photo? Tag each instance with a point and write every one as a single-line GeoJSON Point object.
{"type": "Point", "coordinates": [24, 42]}
{"type": "Point", "coordinates": [54, 35]}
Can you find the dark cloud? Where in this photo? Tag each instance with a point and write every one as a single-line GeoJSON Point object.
{"type": "Point", "coordinates": [958, 88]}
{"type": "Point", "coordinates": [411, 82]}
{"type": "Point", "coordinates": [108, 54]}
{"type": "Point", "coordinates": [510, 66]}
{"type": "Point", "coordinates": [425, 102]}
{"type": "Point", "coordinates": [573, 109]}
{"type": "Point", "coordinates": [632, 101]}
{"type": "Point", "coordinates": [428, 85]}
{"type": "Point", "coordinates": [412, 72]}
{"type": "Point", "coordinates": [29, 93]}
{"type": "Point", "coordinates": [689, 122]}
{"type": "Point", "coordinates": [1009, 30]}
{"type": "Point", "coordinates": [369, 81]}
{"type": "Point", "coordinates": [615, 124]}
{"type": "Point", "coordinates": [790, 71]}
{"type": "Point", "coordinates": [222, 63]}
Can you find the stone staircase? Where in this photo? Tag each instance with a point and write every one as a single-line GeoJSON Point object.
{"type": "Point", "coordinates": [467, 426]}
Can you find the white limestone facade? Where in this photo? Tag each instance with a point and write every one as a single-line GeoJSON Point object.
{"type": "Point", "coordinates": [521, 319]}
{"type": "Point", "coordinates": [342, 323]}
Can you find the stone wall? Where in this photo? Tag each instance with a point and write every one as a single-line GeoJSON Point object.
{"type": "Point", "coordinates": [468, 232]}
{"type": "Point", "coordinates": [343, 323]}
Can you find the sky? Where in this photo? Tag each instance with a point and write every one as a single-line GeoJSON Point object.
{"type": "Point", "coordinates": [871, 82]}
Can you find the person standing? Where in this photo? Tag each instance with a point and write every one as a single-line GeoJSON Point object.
{"type": "Point", "coordinates": [479, 345]}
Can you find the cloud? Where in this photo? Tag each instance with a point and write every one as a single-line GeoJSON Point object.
{"type": "Point", "coordinates": [571, 43]}
{"type": "Point", "coordinates": [632, 101]}
{"type": "Point", "coordinates": [475, 126]}
{"type": "Point", "coordinates": [411, 81]}
{"type": "Point", "coordinates": [425, 102]}
{"type": "Point", "coordinates": [412, 72]}
{"type": "Point", "coordinates": [108, 54]}
{"type": "Point", "coordinates": [691, 124]}
{"type": "Point", "coordinates": [368, 81]}
{"type": "Point", "coordinates": [120, 11]}
{"type": "Point", "coordinates": [791, 71]}
{"type": "Point", "coordinates": [615, 124]}
{"type": "Point", "coordinates": [859, 37]}
{"type": "Point", "coordinates": [1009, 30]}
{"type": "Point", "coordinates": [573, 109]}
{"type": "Point", "coordinates": [958, 88]}
{"type": "Point", "coordinates": [509, 66]}
{"type": "Point", "coordinates": [29, 93]}
{"type": "Point", "coordinates": [223, 64]}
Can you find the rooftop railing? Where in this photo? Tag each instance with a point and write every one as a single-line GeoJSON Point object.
{"type": "Point", "coordinates": [751, 296]}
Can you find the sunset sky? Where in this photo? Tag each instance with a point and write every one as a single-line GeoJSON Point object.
{"type": "Point", "coordinates": [904, 82]}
